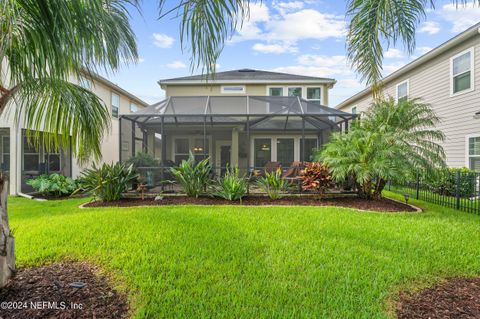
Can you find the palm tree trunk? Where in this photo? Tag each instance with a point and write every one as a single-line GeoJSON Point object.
{"type": "Point", "coordinates": [7, 242]}
{"type": "Point", "coordinates": [379, 186]}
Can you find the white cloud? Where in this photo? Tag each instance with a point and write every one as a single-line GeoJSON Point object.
{"type": "Point", "coordinates": [274, 48]}
{"type": "Point", "coordinates": [290, 25]}
{"type": "Point", "coordinates": [392, 67]}
{"type": "Point", "coordinates": [319, 65]}
{"type": "Point", "coordinates": [162, 40]}
{"type": "Point", "coordinates": [461, 17]}
{"type": "Point", "coordinates": [393, 53]}
{"type": "Point", "coordinates": [429, 27]}
{"type": "Point", "coordinates": [176, 65]}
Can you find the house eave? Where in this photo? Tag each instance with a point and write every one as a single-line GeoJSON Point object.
{"type": "Point", "coordinates": [214, 82]}
{"type": "Point", "coordinates": [472, 31]}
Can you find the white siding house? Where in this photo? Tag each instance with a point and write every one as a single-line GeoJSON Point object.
{"type": "Point", "coordinates": [448, 78]}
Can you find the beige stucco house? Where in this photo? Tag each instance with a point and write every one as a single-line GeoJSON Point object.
{"type": "Point", "coordinates": [245, 118]}
{"type": "Point", "coordinates": [21, 160]}
{"type": "Point", "coordinates": [448, 78]}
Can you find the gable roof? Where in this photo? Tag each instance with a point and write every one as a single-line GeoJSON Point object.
{"type": "Point", "coordinates": [246, 76]}
{"type": "Point", "coordinates": [459, 39]}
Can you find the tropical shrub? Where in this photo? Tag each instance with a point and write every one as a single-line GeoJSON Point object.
{"type": "Point", "coordinates": [53, 185]}
{"type": "Point", "coordinates": [193, 177]}
{"type": "Point", "coordinates": [109, 181]}
{"type": "Point", "coordinates": [316, 177]}
{"type": "Point", "coordinates": [444, 182]}
{"type": "Point", "coordinates": [389, 143]}
{"type": "Point", "coordinates": [273, 183]}
{"type": "Point", "coordinates": [142, 159]}
{"type": "Point", "coordinates": [232, 186]}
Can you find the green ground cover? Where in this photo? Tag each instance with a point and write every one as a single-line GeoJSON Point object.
{"type": "Point", "coordinates": [253, 262]}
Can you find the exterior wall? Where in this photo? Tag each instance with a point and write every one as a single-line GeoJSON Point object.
{"type": "Point", "coordinates": [110, 144]}
{"type": "Point", "coordinates": [250, 89]}
{"type": "Point", "coordinates": [431, 83]}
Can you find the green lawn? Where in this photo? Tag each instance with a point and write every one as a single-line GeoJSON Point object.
{"type": "Point", "coordinates": [265, 262]}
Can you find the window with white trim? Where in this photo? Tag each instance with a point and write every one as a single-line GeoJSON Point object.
{"type": "Point", "coordinates": [233, 89]}
{"type": "Point", "coordinates": [277, 91]}
{"type": "Point", "coordinates": [474, 153]}
{"type": "Point", "coordinates": [133, 107]}
{"type": "Point", "coordinates": [295, 91]}
{"type": "Point", "coordinates": [402, 91]}
{"type": "Point", "coordinates": [314, 94]}
{"type": "Point", "coordinates": [354, 110]}
{"type": "Point", "coordinates": [115, 104]}
{"type": "Point", "coordinates": [462, 72]}
{"type": "Point", "coordinates": [85, 83]}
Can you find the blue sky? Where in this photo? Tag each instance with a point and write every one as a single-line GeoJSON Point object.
{"type": "Point", "coordinates": [304, 37]}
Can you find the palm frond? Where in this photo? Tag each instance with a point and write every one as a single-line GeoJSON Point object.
{"type": "Point", "coordinates": [205, 26]}
{"type": "Point", "coordinates": [68, 112]}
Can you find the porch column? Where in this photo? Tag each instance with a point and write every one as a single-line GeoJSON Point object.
{"type": "Point", "coordinates": [235, 148]}
{"type": "Point", "coordinates": [15, 174]}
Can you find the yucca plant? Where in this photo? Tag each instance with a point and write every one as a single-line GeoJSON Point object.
{"type": "Point", "coordinates": [273, 183]}
{"type": "Point", "coordinates": [315, 176]}
{"type": "Point", "coordinates": [193, 177]}
{"type": "Point", "coordinates": [232, 186]}
{"type": "Point", "coordinates": [108, 182]}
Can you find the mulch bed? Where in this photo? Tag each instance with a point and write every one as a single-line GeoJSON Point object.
{"type": "Point", "coordinates": [456, 298]}
{"type": "Point", "coordinates": [384, 204]}
{"type": "Point", "coordinates": [49, 289]}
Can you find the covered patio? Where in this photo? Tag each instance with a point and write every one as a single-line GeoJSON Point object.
{"type": "Point", "coordinates": [254, 133]}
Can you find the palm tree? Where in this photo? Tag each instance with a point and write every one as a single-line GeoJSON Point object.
{"type": "Point", "coordinates": [43, 44]}
{"type": "Point", "coordinates": [391, 142]}
{"type": "Point", "coordinates": [373, 25]}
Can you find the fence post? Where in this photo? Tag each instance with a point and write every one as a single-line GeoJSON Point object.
{"type": "Point", "coordinates": [457, 190]}
{"type": "Point", "coordinates": [417, 187]}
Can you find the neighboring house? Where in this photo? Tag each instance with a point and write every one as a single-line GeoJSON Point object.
{"type": "Point", "coordinates": [245, 118]}
{"type": "Point", "coordinates": [21, 160]}
{"type": "Point", "coordinates": [448, 78]}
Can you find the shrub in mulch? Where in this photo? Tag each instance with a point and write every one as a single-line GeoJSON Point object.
{"type": "Point", "coordinates": [455, 298]}
{"type": "Point", "coordinates": [49, 292]}
{"type": "Point", "coordinates": [383, 205]}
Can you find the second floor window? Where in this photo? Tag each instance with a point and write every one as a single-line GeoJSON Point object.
{"type": "Point", "coordinates": [115, 104]}
{"type": "Point", "coordinates": [233, 89]}
{"type": "Point", "coordinates": [295, 91]}
{"type": "Point", "coordinates": [402, 91]}
{"type": "Point", "coordinates": [276, 91]}
{"type": "Point", "coordinates": [314, 95]}
{"type": "Point", "coordinates": [85, 83]}
{"type": "Point", "coordinates": [462, 72]}
{"type": "Point", "coordinates": [133, 107]}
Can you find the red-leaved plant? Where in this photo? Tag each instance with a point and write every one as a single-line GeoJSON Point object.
{"type": "Point", "coordinates": [315, 176]}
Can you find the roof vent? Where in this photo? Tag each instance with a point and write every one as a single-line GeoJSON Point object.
{"type": "Point", "coordinates": [246, 70]}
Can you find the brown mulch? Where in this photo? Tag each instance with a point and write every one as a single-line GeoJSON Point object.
{"type": "Point", "coordinates": [49, 290]}
{"type": "Point", "coordinates": [456, 298]}
{"type": "Point", "coordinates": [384, 204]}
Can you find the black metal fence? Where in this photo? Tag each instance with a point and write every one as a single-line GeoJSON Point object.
{"type": "Point", "coordinates": [454, 188]}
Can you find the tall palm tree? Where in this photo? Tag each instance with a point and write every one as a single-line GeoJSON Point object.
{"type": "Point", "coordinates": [391, 142]}
{"type": "Point", "coordinates": [43, 44]}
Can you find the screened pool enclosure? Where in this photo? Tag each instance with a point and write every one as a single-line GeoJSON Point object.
{"type": "Point", "coordinates": [254, 133]}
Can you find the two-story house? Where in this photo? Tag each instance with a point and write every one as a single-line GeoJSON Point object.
{"type": "Point", "coordinates": [22, 160]}
{"type": "Point", "coordinates": [446, 78]}
{"type": "Point", "coordinates": [246, 118]}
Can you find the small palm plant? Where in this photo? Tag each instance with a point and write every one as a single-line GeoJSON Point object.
{"type": "Point", "coordinates": [193, 177]}
{"type": "Point", "coordinates": [273, 183]}
{"type": "Point", "coordinates": [389, 143]}
{"type": "Point", "coordinates": [232, 186]}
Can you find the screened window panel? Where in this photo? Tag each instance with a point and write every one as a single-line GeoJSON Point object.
{"type": "Point", "coordinates": [180, 158]}
{"type": "Point", "coordinates": [6, 144]}
{"type": "Point", "coordinates": [276, 91]}
{"type": "Point", "coordinates": [310, 148]}
{"type": "Point", "coordinates": [474, 146]}
{"type": "Point", "coordinates": [31, 162]}
{"type": "Point", "coordinates": [262, 152]}
{"type": "Point", "coordinates": [461, 82]}
{"type": "Point", "coordinates": [402, 92]}
{"type": "Point", "coordinates": [285, 151]}
{"type": "Point", "coordinates": [28, 145]}
{"type": "Point", "coordinates": [461, 64]}
{"type": "Point", "coordinates": [475, 163]}
{"type": "Point", "coordinates": [314, 94]}
{"type": "Point", "coordinates": [181, 146]}
{"type": "Point", "coordinates": [115, 104]}
{"type": "Point", "coordinates": [295, 91]}
{"type": "Point", "coordinates": [133, 107]}
{"type": "Point", "coordinates": [54, 164]}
